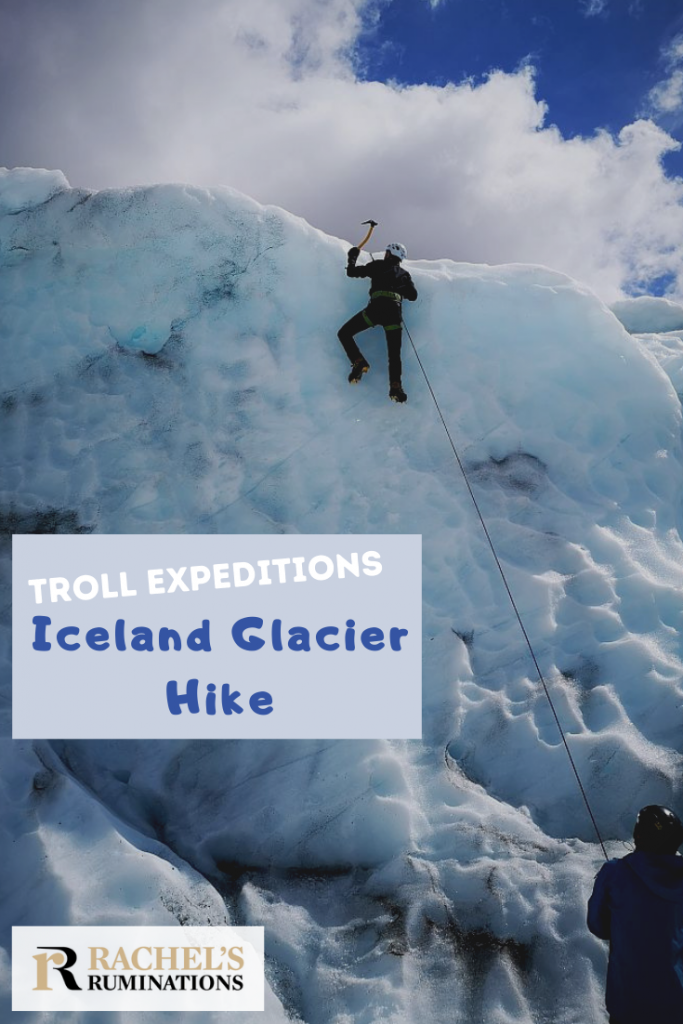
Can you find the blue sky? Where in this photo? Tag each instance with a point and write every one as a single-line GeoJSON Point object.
{"type": "Point", "coordinates": [424, 116]}
{"type": "Point", "coordinates": [593, 70]}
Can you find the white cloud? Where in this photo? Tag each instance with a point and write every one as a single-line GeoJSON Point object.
{"type": "Point", "coordinates": [666, 97]}
{"type": "Point", "coordinates": [593, 8]}
{"type": "Point", "coordinates": [262, 95]}
{"type": "Point", "coordinates": [674, 51]}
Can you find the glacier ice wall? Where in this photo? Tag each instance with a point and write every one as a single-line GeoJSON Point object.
{"type": "Point", "coordinates": [171, 365]}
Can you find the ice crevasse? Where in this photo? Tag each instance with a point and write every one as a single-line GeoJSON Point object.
{"type": "Point", "coordinates": [170, 365]}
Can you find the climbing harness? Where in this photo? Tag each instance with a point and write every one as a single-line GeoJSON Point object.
{"type": "Point", "coordinates": [387, 327]}
{"type": "Point", "coordinates": [509, 593]}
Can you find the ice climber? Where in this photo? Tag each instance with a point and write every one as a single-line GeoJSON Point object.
{"type": "Point", "coordinates": [637, 903]}
{"type": "Point", "coordinates": [389, 285]}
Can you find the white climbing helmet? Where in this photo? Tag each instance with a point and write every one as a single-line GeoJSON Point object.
{"type": "Point", "coordinates": [397, 250]}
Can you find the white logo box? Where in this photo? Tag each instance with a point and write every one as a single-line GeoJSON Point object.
{"type": "Point", "coordinates": [143, 968]}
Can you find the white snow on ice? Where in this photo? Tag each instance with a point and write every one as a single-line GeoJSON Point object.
{"type": "Point", "coordinates": [648, 314]}
{"type": "Point", "coordinates": [23, 188]}
{"type": "Point", "coordinates": [171, 365]}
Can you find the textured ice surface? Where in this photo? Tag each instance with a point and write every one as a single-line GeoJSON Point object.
{"type": "Point", "coordinates": [649, 314]}
{"type": "Point", "coordinates": [173, 366]}
{"type": "Point", "coordinates": [25, 187]}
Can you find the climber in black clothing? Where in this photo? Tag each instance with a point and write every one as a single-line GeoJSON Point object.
{"type": "Point", "coordinates": [389, 284]}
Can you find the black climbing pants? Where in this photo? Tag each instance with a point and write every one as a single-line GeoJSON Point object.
{"type": "Point", "coordinates": [376, 316]}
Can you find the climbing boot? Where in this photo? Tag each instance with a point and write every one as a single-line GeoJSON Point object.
{"type": "Point", "coordinates": [360, 367]}
{"type": "Point", "coordinates": [396, 392]}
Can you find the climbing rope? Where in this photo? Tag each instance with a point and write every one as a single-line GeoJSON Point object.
{"type": "Point", "coordinates": [509, 593]}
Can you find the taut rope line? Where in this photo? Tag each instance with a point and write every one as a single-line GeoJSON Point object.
{"type": "Point", "coordinates": [509, 593]}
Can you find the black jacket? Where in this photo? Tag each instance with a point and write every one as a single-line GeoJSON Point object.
{"type": "Point", "coordinates": [385, 276]}
{"type": "Point", "coordinates": [637, 904]}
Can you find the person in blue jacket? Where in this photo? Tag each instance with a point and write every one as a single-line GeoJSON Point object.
{"type": "Point", "coordinates": [389, 285]}
{"type": "Point", "coordinates": [637, 903]}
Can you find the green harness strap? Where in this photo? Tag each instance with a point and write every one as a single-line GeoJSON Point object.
{"type": "Point", "coordinates": [387, 327]}
{"type": "Point", "coordinates": [383, 295]}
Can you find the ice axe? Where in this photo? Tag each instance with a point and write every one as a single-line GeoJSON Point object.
{"type": "Point", "coordinates": [373, 225]}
